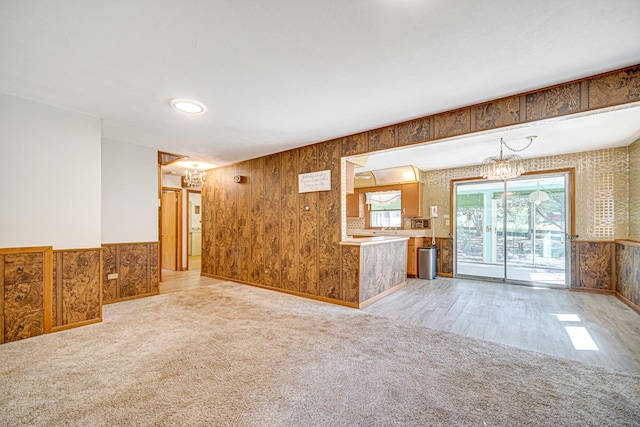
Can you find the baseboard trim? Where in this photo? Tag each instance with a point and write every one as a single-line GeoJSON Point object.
{"type": "Point", "coordinates": [285, 291]}
{"type": "Point", "coordinates": [593, 291]}
{"type": "Point", "coordinates": [76, 325]}
{"type": "Point", "coordinates": [131, 298]}
{"type": "Point", "coordinates": [627, 302]}
{"type": "Point", "coordinates": [382, 295]}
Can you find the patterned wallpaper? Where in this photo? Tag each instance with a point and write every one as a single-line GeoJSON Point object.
{"type": "Point", "coordinates": [602, 190]}
{"type": "Point", "coordinates": [634, 191]}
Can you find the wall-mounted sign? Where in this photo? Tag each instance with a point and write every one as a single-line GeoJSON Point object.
{"type": "Point", "coordinates": [314, 181]}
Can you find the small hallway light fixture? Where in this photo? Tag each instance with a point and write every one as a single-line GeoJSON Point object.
{"type": "Point", "coordinates": [195, 177]}
{"type": "Point", "coordinates": [188, 106]}
{"type": "Point", "coordinates": [503, 167]}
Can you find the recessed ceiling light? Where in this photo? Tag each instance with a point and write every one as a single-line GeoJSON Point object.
{"type": "Point", "coordinates": [188, 106]}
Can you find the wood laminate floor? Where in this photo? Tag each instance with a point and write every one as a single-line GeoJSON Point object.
{"type": "Point", "coordinates": [537, 319]}
{"type": "Point", "coordinates": [518, 316]}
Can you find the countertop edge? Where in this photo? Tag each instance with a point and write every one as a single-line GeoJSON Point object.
{"type": "Point", "coordinates": [377, 240]}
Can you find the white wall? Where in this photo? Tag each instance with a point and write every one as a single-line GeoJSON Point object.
{"type": "Point", "coordinates": [49, 176]}
{"type": "Point", "coordinates": [129, 193]}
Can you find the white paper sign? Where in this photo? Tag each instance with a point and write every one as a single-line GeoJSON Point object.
{"type": "Point", "coordinates": [314, 181]}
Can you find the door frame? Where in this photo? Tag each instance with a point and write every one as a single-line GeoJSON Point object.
{"type": "Point", "coordinates": [570, 197]}
{"type": "Point", "coordinates": [189, 192]}
{"type": "Point", "coordinates": [178, 192]}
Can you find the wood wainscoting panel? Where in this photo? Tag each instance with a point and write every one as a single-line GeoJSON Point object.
{"type": "Point", "coordinates": [135, 270]}
{"type": "Point", "coordinates": [273, 236]}
{"type": "Point", "coordinates": [594, 265]}
{"type": "Point", "coordinates": [350, 266]}
{"type": "Point", "coordinates": [329, 214]}
{"type": "Point", "coordinates": [132, 272]}
{"type": "Point", "coordinates": [444, 260]}
{"type": "Point", "coordinates": [154, 276]}
{"type": "Point", "coordinates": [628, 271]}
{"type": "Point", "coordinates": [1, 299]}
{"type": "Point", "coordinates": [109, 266]}
{"type": "Point", "coordinates": [554, 102]}
{"type": "Point", "coordinates": [614, 89]}
{"type": "Point", "coordinates": [308, 225]}
{"type": "Point", "coordinates": [289, 221]}
{"type": "Point", "coordinates": [26, 292]}
{"type": "Point", "coordinates": [77, 287]}
{"type": "Point", "coordinates": [381, 139]}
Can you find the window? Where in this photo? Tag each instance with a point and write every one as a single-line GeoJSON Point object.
{"type": "Point", "coordinates": [385, 208]}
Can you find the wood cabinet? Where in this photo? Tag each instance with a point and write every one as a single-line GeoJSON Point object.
{"type": "Point", "coordinates": [355, 204]}
{"type": "Point", "coordinates": [412, 200]}
{"type": "Point", "coordinates": [25, 288]}
{"type": "Point", "coordinates": [412, 255]}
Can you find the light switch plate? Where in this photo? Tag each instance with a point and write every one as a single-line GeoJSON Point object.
{"type": "Point", "coordinates": [112, 276]}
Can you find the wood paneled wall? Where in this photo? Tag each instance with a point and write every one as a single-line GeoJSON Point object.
{"type": "Point", "coordinates": [77, 288]}
{"type": "Point", "coordinates": [592, 266]}
{"type": "Point", "coordinates": [136, 266]}
{"type": "Point", "coordinates": [260, 232]}
{"type": "Point", "coordinates": [628, 272]}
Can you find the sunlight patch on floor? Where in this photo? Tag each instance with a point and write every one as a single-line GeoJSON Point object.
{"type": "Point", "coordinates": [580, 338]}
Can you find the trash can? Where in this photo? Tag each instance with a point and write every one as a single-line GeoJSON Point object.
{"type": "Point", "coordinates": [427, 257]}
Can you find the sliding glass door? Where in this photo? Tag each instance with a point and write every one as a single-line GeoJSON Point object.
{"type": "Point", "coordinates": [513, 231]}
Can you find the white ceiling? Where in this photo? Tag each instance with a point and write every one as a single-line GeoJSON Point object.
{"type": "Point", "coordinates": [280, 74]}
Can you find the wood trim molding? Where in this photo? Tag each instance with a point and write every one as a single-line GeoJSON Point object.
{"type": "Point", "coordinates": [629, 303]}
{"type": "Point", "coordinates": [382, 295]}
{"type": "Point", "coordinates": [285, 291]}
{"type": "Point", "coordinates": [592, 291]}
{"type": "Point", "coordinates": [634, 243]}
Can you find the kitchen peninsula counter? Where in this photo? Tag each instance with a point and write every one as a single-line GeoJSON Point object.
{"type": "Point", "coordinates": [374, 266]}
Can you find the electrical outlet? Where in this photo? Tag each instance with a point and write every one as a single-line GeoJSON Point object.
{"type": "Point", "coordinates": [112, 276]}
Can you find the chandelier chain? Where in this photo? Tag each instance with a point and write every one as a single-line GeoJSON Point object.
{"type": "Point", "coordinates": [522, 149]}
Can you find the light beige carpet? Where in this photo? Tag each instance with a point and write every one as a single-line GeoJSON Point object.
{"type": "Point", "coordinates": [230, 354]}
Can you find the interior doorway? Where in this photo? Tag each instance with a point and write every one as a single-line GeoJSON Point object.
{"type": "Point", "coordinates": [194, 227]}
{"type": "Point", "coordinates": [514, 231]}
{"type": "Point", "coordinates": [170, 238]}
